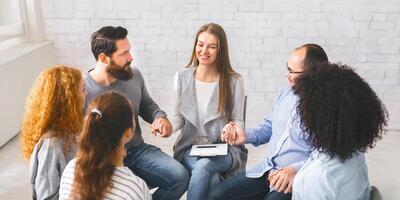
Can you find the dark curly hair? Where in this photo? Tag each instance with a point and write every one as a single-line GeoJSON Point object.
{"type": "Point", "coordinates": [339, 111]}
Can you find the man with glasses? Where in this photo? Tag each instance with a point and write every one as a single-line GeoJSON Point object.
{"type": "Point", "coordinates": [287, 151]}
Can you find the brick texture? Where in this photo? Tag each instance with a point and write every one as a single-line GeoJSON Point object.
{"type": "Point", "coordinates": [364, 34]}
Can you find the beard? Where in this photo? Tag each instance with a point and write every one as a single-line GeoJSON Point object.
{"type": "Point", "coordinates": [119, 72]}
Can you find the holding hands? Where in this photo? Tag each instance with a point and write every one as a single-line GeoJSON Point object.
{"type": "Point", "coordinates": [162, 126]}
{"type": "Point", "coordinates": [282, 179]}
{"type": "Point", "coordinates": [233, 133]}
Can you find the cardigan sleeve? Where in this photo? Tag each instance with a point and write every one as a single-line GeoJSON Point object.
{"type": "Point", "coordinates": [238, 103]}
{"type": "Point", "coordinates": [177, 118]}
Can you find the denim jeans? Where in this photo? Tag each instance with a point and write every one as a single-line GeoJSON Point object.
{"type": "Point", "coordinates": [158, 169]}
{"type": "Point", "coordinates": [241, 187]}
{"type": "Point", "coordinates": [205, 173]}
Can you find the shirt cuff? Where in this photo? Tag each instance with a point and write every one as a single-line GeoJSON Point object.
{"type": "Point", "coordinates": [160, 114]}
{"type": "Point", "coordinates": [298, 165]}
{"type": "Point", "coordinates": [251, 138]}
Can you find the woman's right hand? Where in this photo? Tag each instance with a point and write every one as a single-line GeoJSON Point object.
{"type": "Point", "coordinates": [233, 133]}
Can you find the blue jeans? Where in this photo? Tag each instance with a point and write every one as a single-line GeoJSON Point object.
{"type": "Point", "coordinates": [205, 173]}
{"type": "Point", "coordinates": [241, 187]}
{"type": "Point", "coordinates": [158, 169]}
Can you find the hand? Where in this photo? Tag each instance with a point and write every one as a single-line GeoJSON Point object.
{"type": "Point", "coordinates": [233, 133]}
{"type": "Point", "coordinates": [162, 126]}
{"type": "Point", "coordinates": [282, 179]}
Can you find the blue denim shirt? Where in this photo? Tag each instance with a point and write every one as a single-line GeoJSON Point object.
{"type": "Point", "coordinates": [283, 149]}
{"type": "Point", "coordinates": [324, 177]}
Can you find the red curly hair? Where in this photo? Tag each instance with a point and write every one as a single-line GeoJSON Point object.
{"type": "Point", "coordinates": [53, 106]}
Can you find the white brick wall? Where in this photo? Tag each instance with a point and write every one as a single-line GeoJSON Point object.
{"type": "Point", "coordinates": [363, 33]}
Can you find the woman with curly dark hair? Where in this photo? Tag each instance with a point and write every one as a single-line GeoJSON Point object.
{"type": "Point", "coordinates": [343, 118]}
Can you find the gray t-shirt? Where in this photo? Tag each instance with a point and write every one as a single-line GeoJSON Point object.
{"type": "Point", "coordinates": [135, 90]}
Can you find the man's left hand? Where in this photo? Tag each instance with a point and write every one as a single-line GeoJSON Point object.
{"type": "Point", "coordinates": [162, 126]}
{"type": "Point", "coordinates": [282, 179]}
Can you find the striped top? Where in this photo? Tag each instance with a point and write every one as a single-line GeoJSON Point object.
{"type": "Point", "coordinates": [125, 185]}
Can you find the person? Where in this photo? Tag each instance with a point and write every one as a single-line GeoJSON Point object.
{"type": "Point", "coordinates": [209, 94]}
{"type": "Point", "coordinates": [98, 171]}
{"type": "Point", "coordinates": [343, 118]}
{"type": "Point", "coordinates": [287, 152]}
{"type": "Point", "coordinates": [52, 120]}
{"type": "Point", "coordinates": [113, 72]}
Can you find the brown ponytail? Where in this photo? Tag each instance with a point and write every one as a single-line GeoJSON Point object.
{"type": "Point", "coordinates": [108, 117]}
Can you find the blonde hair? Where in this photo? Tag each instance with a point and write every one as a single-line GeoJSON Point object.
{"type": "Point", "coordinates": [53, 105]}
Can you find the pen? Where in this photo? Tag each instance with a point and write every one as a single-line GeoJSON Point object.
{"type": "Point", "coordinates": [207, 146]}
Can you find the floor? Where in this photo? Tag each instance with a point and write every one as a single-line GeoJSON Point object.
{"type": "Point", "coordinates": [383, 162]}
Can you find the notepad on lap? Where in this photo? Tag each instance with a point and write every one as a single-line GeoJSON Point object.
{"type": "Point", "coordinates": [207, 150]}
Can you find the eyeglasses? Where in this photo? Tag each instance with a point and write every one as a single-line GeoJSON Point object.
{"type": "Point", "coordinates": [291, 71]}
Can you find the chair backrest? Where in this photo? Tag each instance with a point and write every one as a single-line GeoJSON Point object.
{"type": "Point", "coordinates": [375, 194]}
{"type": "Point", "coordinates": [244, 110]}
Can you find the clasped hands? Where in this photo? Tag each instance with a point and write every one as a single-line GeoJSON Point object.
{"type": "Point", "coordinates": [281, 180]}
{"type": "Point", "coordinates": [162, 126]}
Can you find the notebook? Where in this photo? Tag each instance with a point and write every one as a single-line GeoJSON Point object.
{"type": "Point", "coordinates": [208, 150]}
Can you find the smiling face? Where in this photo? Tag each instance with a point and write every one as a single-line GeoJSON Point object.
{"type": "Point", "coordinates": [295, 65]}
{"type": "Point", "coordinates": [206, 49]}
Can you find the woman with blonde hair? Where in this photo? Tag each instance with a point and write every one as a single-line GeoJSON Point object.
{"type": "Point", "coordinates": [52, 119]}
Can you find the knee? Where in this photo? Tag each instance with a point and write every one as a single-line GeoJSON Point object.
{"type": "Point", "coordinates": [215, 194]}
{"type": "Point", "coordinates": [203, 165]}
{"type": "Point", "coordinates": [181, 176]}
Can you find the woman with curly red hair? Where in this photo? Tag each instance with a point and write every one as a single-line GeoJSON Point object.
{"type": "Point", "coordinates": [52, 119]}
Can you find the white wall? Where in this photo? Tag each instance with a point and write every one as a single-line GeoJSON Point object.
{"type": "Point", "coordinates": [362, 33]}
{"type": "Point", "coordinates": [18, 69]}
{"type": "Point", "coordinates": [9, 12]}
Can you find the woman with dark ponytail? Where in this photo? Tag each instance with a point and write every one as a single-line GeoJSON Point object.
{"type": "Point", "coordinates": [98, 172]}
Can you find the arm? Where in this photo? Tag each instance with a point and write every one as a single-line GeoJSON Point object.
{"type": "Point", "coordinates": [238, 103]}
{"type": "Point", "coordinates": [261, 134]}
{"type": "Point", "coordinates": [177, 120]}
{"type": "Point", "coordinates": [47, 181]}
{"type": "Point", "coordinates": [149, 110]}
{"type": "Point", "coordinates": [317, 185]}
{"type": "Point", "coordinates": [298, 165]}
{"type": "Point", "coordinates": [233, 132]}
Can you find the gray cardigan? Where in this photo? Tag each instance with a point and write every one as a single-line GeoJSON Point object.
{"type": "Point", "coordinates": [186, 119]}
{"type": "Point", "coordinates": [47, 164]}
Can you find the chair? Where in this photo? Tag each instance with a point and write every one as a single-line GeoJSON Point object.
{"type": "Point", "coordinates": [375, 194]}
{"type": "Point", "coordinates": [244, 110]}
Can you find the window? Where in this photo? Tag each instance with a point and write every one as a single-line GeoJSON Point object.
{"type": "Point", "coordinates": [14, 24]}
{"type": "Point", "coordinates": [10, 20]}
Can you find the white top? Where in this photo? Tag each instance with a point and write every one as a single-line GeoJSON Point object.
{"type": "Point", "coordinates": [326, 178]}
{"type": "Point", "coordinates": [126, 185]}
{"type": "Point", "coordinates": [204, 91]}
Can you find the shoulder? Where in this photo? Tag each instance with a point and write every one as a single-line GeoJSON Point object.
{"type": "Point", "coordinates": [137, 73]}
{"type": "Point", "coordinates": [235, 77]}
{"type": "Point", "coordinates": [124, 174]}
{"type": "Point", "coordinates": [49, 146]}
{"type": "Point", "coordinates": [183, 76]}
{"type": "Point", "coordinates": [70, 168]}
{"type": "Point", "coordinates": [185, 71]}
{"type": "Point", "coordinates": [136, 70]}
{"type": "Point", "coordinates": [285, 92]}
{"type": "Point", "coordinates": [124, 177]}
